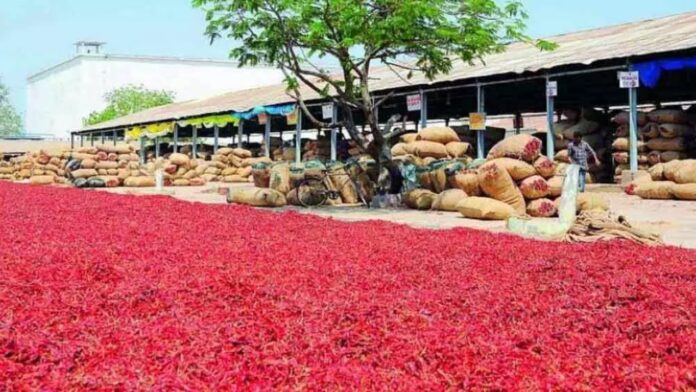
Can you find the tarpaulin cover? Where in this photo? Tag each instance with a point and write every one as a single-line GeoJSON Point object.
{"type": "Point", "coordinates": [277, 110]}
{"type": "Point", "coordinates": [650, 71]}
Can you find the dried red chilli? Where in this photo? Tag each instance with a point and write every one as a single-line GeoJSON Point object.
{"type": "Point", "coordinates": [109, 291]}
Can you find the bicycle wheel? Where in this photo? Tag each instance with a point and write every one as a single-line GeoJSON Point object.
{"type": "Point", "coordinates": [312, 192]}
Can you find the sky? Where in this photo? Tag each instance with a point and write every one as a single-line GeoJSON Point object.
{"type": "Point", "coordinates": [36, 34]}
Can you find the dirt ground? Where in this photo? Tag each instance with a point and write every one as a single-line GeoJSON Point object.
{"type": "Point", "coordinates": [674, 220]}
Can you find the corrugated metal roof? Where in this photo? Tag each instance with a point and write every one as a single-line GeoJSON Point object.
{"type": "Point", "coordinates": [653, 36]}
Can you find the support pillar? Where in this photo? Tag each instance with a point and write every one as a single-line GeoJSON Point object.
{"type": "Point", "coordinates": [175, 147]}
{"type": "Point", "coordinates": [481, 108]}
{"type": "Point", "coordinates": [267, 137]}
{"type": "Point", "coordinates": [72, 141]}
{"type": "Point", "coordinates": [216, 139]}
{"type": "Point", "coordinates": [91, 139]}
{"type": "Point", "coordinates": [194, 143]}
{"type": "Point", "coordinates": [103, 137]}
{"type": "Point", "coordinates": [334, 131]}
{"type": "Point", "coordinates": [142, 149]}
{"type": "Point", "coordinates": [157, 147]}
{"type": "Point", "coordinates": [298, 138]}
{"type": "Point", "coordinates": [550, 134]}
{"type": "Point", "coordinates": [82, 140]}
{"type": "Point", "coordinates": [633, 122]}
{"type": "Point", "coordinates": [240, 133]}
{"type": "Point", "coordinates": [424, 109]}
{"type": "Point", "coordinates": [115, 137]}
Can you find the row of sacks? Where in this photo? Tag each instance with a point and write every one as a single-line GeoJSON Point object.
{"type": "Point", "coordinates": [671, 180]}
{"type": "Point", "coordinates": [107, 166]}
{"type": "Point", "coordinates": [515, 175]}
{"type": "Point", "coordinates": [432, 142]}
{"type": "Point", "coordinates": [232, 165]}
{"type": "Point", "coordinates": [39, 168]}
{"type": "Point", "coordinates": [665, 135]}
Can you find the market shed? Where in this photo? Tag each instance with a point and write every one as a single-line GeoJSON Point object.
{"type": "Point", "coordinates": [584, 69]}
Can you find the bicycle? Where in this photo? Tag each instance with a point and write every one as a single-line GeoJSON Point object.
{"type": "Point", "coordinates": [314, 191]}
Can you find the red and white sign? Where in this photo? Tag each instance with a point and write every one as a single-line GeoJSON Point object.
{"type": "Point", "coordinates": [413, 102]}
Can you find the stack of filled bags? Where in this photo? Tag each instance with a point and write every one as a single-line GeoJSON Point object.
{"type": "Point", "coordinates": [180, 170]}
{"type": "Point", "coordinates": [39, 168]}
{"type": "Point", "coordinates": [590, 124]}
{"type": "Point", "coordinates": [665, 135]}
{"type": "Point", "coordinates": [672, 180]}
{"type": "Point", "coordinates": [107, 166]}
{"type": "Point", "coordinates": [317, 150]}
{"type": "Point", "coordinates": [429, 145]}
{"type": "Point", "coordinates": [232, 165]}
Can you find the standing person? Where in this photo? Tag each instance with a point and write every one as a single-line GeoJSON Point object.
{"type": "Point", "coordinates": [578, 152]}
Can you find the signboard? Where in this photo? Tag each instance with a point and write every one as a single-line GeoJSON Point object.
{"type": "Point", "coordinates": [552, 88]}
{"type": "Point", "coordinates": [477, 121]}
{"type": "Point", "coordinates": [629, 79]}
{"type": "Point", "coordinates": [263, 118]}
{"type": "Point", "coordinates": [327, 112]}
{"type": "Point", "coordinates": [413, 102]}
{"type": "Point", "coordinates": [292, 117]}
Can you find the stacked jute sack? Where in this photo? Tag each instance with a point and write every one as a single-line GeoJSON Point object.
{"type": "Point", "coordinates": [514, 181]}
{"type": "Point", "coordinates": [430, 144]}
{"type": "Point", "coordinates": [665, 135]}
{"type": "Point", "coordinates": [231, 165]}
{"type": "Point", "coordinates": [592, 126]}
{"type": "Point", "coordinates": [39, 168]}
{"type": "Point", "coordinates": [180, 170]}
{"type": "Point", "coordinates": [317, 150]}
{"type": "Point", "coordinates": [107, 166]}
{"type": "Point", "coordinates": [672, 180]}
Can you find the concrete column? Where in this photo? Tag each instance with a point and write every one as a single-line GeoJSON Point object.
{"type": "Point", "coordinates": [267, 137]}
{"type": "Point", "coordinates": [481, 108]}
{"type": "Point", "coordinates": [550, 136]}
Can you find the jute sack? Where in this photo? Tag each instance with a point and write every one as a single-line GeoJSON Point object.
{"type": "Point", "coordinates": [257, 197]}
{"type": "Point", "coordinates": [197, 181]}
{"type": "Point", "coordinates": [497, 183]}
{"type": "Point", "coordinates": [252, 161]}
{"type": "Point", "coordinates": [675, 130]}
{"type": "Point", "coordinates": [648, 131]}
{"type": "Point", "coordinates": [220, 158]}
{"type": "Point", "coordinates": [555, 184]}
{"type": "Point", "coordinates": [425, 149]}
{"type": "Point", "coordinates": [623, 118]}
{"type": "Point", "coordinates": [117, 149]}
{"type": "Point", "coordinates": [534, 187]}
{"type": "Point", "coordinates": [179, 159]}
{"type": "Point", "coordinates": [541, 208]}
{"type": "Point", "coordinates": [662, 144]}
{"type": "Point", "coordinates": [244, 171]}
{"type": "Point", "coordinates": [656, 172]}
{"type": "Point", "coordinates": [458, 149]}
{"type": "Point", "coordinates": [623, 131]}
{"type": "Point", "coordinates": [684, 191]}
{"type": "Point", "coordinates": [292, 197]}
{"type": "Point", "coordinates": [562, 156]}
{"type": "Point", "coordinates": [87, 150]}
{"type": "Point", "coordinates": [584, 127]}
{"type": "Point", "coordinates": [408, 138]}
{"type": "Point", "coordinates": [106, 165]}
{"type": "Point", "coordinates": [620, 157]}
{"type": "Point", "coordinates": [561, 126]}
{"type": "Point", "coordinates": [181, 182]}
{"type": "Point", "coordinates": [84, 173]}
{"type": "Point", "coordinates": [212, 170]}
{"type": "Point", "coordinates": [225, 150]}
{"type": "Point", "coordinates": [668, 116]}
{"type": "Point", "coordinates": [235, 178]}
{"type": "Point", "coordinates": [669, 156]}
{"type": "Point", "coordinates": [448, 200]}
{"type": "Point", "coordinates": [42, 180]}
{"type": "Point", "coordinates": [659, 190]}
{"type": "Point", "coordinates": [438, 176]}
{"type": "Point", "coordinates": [241, 153]}
{"type": "Point", "coordinates": [485, 208]}
{"type": "Point", "coordinates": [88, 164]}
{"type": "Point", "coordinates": [670, 169]}
{"type": "Point", "coordinates": [622, 144]}
{"type": "Point", "coordinates": [398, 150]}
{"type": "Point", "coordinates": [686, 173]}
{"type": "Point", "coordinates": [139, 182]}
{"type": "Point", "coordinates": [423, 177]}
{"type": "Point", "coordinates": [213, 177]}
{"type": "Point", "coordinates": [654, 157]}
{"type": "Point", "coordinates": [467, 181]}
{"type": "Point", "coordinates": [544, 167]}
{"type": "Point", "coordinates": [419, 199]}
{"type": "Point", "coordinates": [338, 175]}
{"type": "Point", "coordinates": [280, 178]}
{"type": "Point", "coordinates": [442, 135]}
{"type": "Point", "coordinates": [591, 201]}
{"type": "Point", "coordinates": [261, 173]}
{"type": "Point", "coordinates": [228, 171]}
{"type": "Point", "coordinates": [524, 147]}
{"type": "Point", "coordinates": [518, 170]}
{"type": "Point", "coordinates": [110, 181]}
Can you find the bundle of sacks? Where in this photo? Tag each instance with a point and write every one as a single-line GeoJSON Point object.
{"type": "Point", "coordinates": [231, 165]}
{"type": "Point", "coordinates": [431, 144]}
{"type": "Point", "coordinates": [317, 150]}
{"type": "Point", "coordinates": [107, 166]}
{"type": "Point", "coordinates": [592, 126]}
{"type": "Point", "coordinates": [665, 135]}
{"type": "Point", "coordinates": [180, 170]}
{"type": "Point", "coordinates": [514, 181]}
{"type": "Point", "coordinates": [672, 180]}
{"type": "Point", "coordinates": [39, 168]}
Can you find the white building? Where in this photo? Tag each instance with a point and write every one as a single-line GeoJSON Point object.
{"type": "Point", "coordinates": [60, 97]}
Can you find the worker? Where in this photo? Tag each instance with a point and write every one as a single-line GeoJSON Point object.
{"type": "Point", "coordinates": [578, 152]}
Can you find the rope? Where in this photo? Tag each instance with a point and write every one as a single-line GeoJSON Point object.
{"type": "Point", "coordinates": [597, 225]}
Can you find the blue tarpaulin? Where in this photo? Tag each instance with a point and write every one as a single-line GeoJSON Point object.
{"type": "Point", "coordinates": [650, 71]}
{"type": "Point", "coordinates": [277, 110]}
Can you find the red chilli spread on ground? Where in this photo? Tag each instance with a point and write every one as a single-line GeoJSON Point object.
{"type": "Point", "coordinates": [102, 291]}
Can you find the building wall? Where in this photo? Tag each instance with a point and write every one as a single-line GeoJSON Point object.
{"type": "Point", "coordinates": [60, 98]}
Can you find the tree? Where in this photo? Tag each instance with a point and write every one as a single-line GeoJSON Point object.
{"type": "Point", "coordinates": [405, 35]}
{"type": "Point", "coordinates": [129, 99]}
{"type": "Point", "coordinates": [10, 121]}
